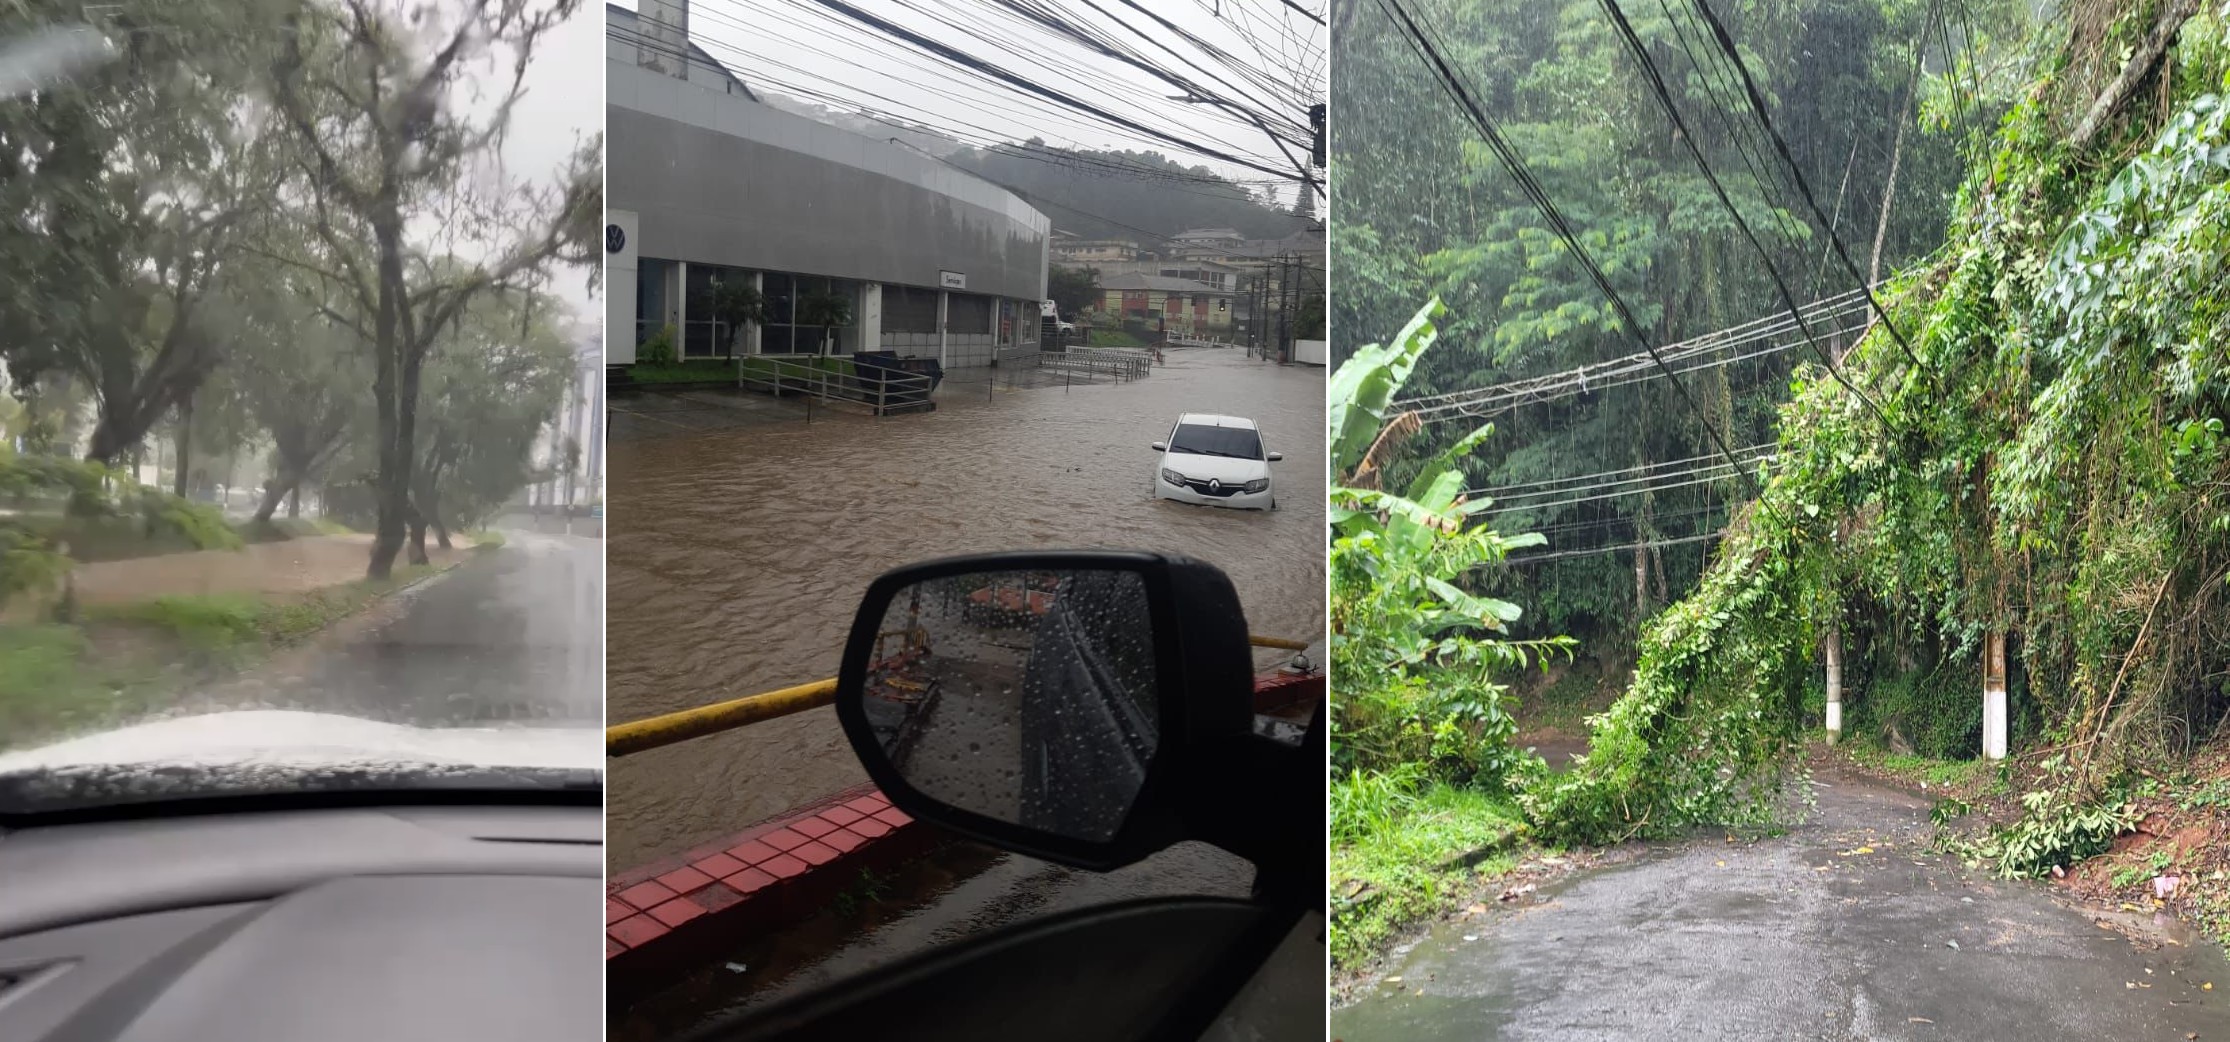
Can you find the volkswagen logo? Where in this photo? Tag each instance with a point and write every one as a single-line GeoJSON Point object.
{"type": "Point", "coordinates": [615, 239]}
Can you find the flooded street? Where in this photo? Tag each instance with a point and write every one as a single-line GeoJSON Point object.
{"type": "Point", "coordinates": [742, 538]}
{"type": "Point", "coordinates": [1846, 927]}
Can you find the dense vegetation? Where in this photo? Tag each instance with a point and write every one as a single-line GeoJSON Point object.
{"type": "Point", "coordinates": [2031, 446]}
{"type": "Point", "coordinates": [1425, 211]}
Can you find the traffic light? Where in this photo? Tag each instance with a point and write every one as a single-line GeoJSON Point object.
{"type": "Point", "coordinates": [1316, 125]}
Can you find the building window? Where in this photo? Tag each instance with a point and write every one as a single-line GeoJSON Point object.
{"type": "Point", "coordinates": [651, 313]}
{"type": "Point", "coordinates": [709, 337]}
{"type": "Point", "coordinates": [966, 313]}
{"type": "Point", "coordinates": [909, 309]}
{"type": "Point", "coordinates": [784, 335]}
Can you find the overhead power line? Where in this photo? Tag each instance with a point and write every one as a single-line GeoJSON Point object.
{"type": "Point", "coordinates": [1516, 166]}
{"type": "Point", "coordinates": [1480, 403]}
{"type": "Point", "coordinates": [1757, 107]}
{"type": "Point", "coordinates": [1656, 80]}
{"type": "Point", "coordinates": [968, 61]}
{"type": "Point", "coordinates": [1611, 548]}
{"type": "Point", "coordinates": [1690, 478]}
{"type": "Point", "coordinates": [1502, 493]}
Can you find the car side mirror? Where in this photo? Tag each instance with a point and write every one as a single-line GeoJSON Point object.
{"type": "Point", "coordinates": [1276, 456]}
{"type": "Point", "coordinates": [1066, 705]}
{"type": "Point", "coordinates": [1161, 446]}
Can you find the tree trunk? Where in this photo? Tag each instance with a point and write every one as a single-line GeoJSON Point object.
{"type": "Point", "coordinates": [1641, 579]}
{"type": "Point", "coordinates": [1889, 195]}
{"type": "Point", "coordinates": [294, 502]}
{"type": "Point", "coordinates": [1905, 117]}
{"type": "Point", "coordinates": [110, 442]}
{"type": "Point", "coordinates": [178, 484]}
{"type": "Point", "coordinates": [274, 490]}
{"type": "Point", "coordinates": [292, 455]}
{"type": "Point", "coordinates": [418, 538]}
{"type": "Point", "coordinates": [391, 488]}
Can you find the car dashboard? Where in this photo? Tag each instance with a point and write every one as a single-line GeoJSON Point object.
{"type": "Point", "coordinates": [362, 923]}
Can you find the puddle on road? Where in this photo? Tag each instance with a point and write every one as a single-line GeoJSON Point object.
{"type": "Point", "coordinates": [737, 556]}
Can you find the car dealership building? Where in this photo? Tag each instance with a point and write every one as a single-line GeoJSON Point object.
{"type": "Point", "coordinates": [705, 183]}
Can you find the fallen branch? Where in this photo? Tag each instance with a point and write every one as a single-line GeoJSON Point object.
{"type": "Point", "coordinates": [2142, 64]}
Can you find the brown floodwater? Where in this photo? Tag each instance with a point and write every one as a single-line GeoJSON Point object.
{"type": "Point", "coordinates": [738, 550]}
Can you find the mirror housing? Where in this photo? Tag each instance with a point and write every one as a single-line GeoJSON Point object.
{"type": "Point", "coordinates": [1193, 783]}
{"type": "Point", "coordinates": [1161, 446]}
{"type": "Point", "coordinates": [1276, 456]}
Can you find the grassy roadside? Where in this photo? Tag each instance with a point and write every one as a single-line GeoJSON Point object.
{"type": "Point", "coordinates": [120, 661]}
{"type": "Point", "coordinates": [1402, 855]}
{"type": "Point", "coordinates": [2174, 857]}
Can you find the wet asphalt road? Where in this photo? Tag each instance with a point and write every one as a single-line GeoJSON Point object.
{"type": "Point", "coordinates": [513, 635]}
{"type": "Point", "coordinates": [1710, 939]}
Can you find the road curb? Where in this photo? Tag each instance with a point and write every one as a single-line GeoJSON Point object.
{"type": "Point", "coordinates": [671, 915]}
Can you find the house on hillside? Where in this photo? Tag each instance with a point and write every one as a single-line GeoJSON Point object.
{"type": "Point", "coordinates": [1184, 307]}
{"type": "Point", "coordinates": [1087, 252]}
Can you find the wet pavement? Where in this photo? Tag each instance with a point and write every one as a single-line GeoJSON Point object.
{"type": "Point", "coordinates": [742, 537]}
{"type": "Point", "coordinates": [1844, 928]}
{"type": "Point", "coordinates": [511, 636]}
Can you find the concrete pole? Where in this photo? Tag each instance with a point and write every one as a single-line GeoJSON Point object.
{"type": "Point", "coordinates": [944, 301]}
{"type": "Point", "coordinates": [1993, 697]}
{"type": "Point", "coordinates": [1834, 682]}
{"type": "Point", "coordinates": [681, 310]}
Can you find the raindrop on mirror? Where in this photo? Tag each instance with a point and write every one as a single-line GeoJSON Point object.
{"type": "Point", "coordinates": [1027, 697]}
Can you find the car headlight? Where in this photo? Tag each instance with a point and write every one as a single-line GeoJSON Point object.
{"type": "Point", "coordinates": [1172, 476]}
{"type": "Point", "coordinates": [1258, 485]}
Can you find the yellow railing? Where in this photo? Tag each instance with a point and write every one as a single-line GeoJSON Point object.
{"type": "Point", "coordinates": [669, 728]}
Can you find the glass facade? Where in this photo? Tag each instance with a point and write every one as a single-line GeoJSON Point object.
{"type": "Point", "coordinates": [800, 308]}
{"type": "Point", "coordinates": [810, 314]}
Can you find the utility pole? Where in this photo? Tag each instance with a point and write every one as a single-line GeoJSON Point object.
{"type": "Point", "coordinates": [1287, 282]}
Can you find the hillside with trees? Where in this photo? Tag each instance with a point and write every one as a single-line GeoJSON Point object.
{"type": "Point", "coordinates": [2004, 470]}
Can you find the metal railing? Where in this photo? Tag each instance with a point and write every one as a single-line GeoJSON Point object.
{"type": "Point", "coordinates": [1119, 364]}
{"type": "Point", "coordinates": [882, 391]}
{"type": "Point", "coordinates": [669, 728]}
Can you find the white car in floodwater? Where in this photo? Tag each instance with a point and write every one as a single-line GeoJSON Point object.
{"type": "Point", "coordinates": [1216, 461]}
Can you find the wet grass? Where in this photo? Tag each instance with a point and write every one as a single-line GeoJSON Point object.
{"type": "Point", "coordinates": [701, 370]}
{"type": "Point", "coordinates": [486, 540]}
{"type": "Point", "coordinates": [116, 662]}
{"type": "Point", "coordinates": [52, 682]}
{"type": "Point", "coordinates": [1113, 338]}
{"type": "Point", "coordinates": [1974, 780]}
{"type": "Point", "coordinates": [1405, 853]}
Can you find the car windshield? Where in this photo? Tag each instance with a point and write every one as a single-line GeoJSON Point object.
{"type": "Point", "coordinates": [1202, 440]}
{"type": "Point", "coordinates": [300, 468]}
